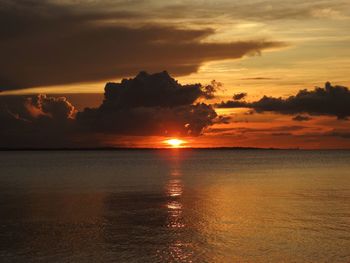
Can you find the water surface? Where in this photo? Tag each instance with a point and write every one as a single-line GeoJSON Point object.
{"type": "Point", "coordinates": [175, 206]}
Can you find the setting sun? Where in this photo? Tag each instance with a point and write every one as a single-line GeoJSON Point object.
{"type": "Point", "coordinates": [175, 143]}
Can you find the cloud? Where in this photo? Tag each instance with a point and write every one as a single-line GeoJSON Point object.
{"type": "Point", "coordinates": [58, 108]}
{"type": "Point", "coordinates": [154, 90]}
{"type": "Point", "coordinates": [246, 130]}
{"type": "Point", "coordinates": [35, 121]}
{"type": "Point", "coordinates": [259, 78]}
{"type": "Point", "coordinates": [345, 134]}
{"type": "Point", "coordinates": [43, 44]}
{"type": "Point", "coordinates": [34, 108]}
{"type": "Point", "coordinates": [301, 118]}
{"type": "Point", "coordinates": [330, 100]}
{"type": "Point", "coordinates": [233, 104]}
{"type": "Point", "coordinates": [147, 105]}
{"type": "Point", "coordinates": [256, 10]}
{"type": "Point", "coordinates": [210, 90]}
{"type": "Point", "coordinates": [239, 96]}
{"type": "Point", "coordinates": [153, 104]}
{"type": "Point", "coordinates": [322, 135]}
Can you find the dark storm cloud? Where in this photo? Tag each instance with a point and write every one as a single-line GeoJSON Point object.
{"type": "Point", "coordinates": [330, 100]}
{"type": "Point", "coordinates": [42, 44]}
{"type": "Point", "coordinates": [145, 105]}
{"type": "Point", "coordinates": [150, 105]}
{"type": "Point", "coordinates": [35, 121]}
{"type": "Point", "coordinates": [154, 90]}
{"type": "Point", "coordinates": [35, 108]}
{"type": "Point", "coordinates": [181, 120]}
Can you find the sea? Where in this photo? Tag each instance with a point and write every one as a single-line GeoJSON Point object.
{"type": "Point", "coordinates": [175, 205]}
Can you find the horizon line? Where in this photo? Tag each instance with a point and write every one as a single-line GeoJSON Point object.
{"type": "Point", "coordinates": [4, 149]}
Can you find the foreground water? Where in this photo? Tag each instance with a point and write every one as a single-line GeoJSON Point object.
{"type": "Point", "coordinates": [175, 206]}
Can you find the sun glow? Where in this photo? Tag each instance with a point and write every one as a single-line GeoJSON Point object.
{"type": "Point", "coordinates": [174, 143]}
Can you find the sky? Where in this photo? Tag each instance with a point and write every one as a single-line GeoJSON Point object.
{"type": "Point", "coordinates": [103, 73]}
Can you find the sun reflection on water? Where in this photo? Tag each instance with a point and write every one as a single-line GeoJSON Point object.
{"type": "Point", "coordinates": [174, 188]}
{"type": "Point", "coordinates": [174, 191]}
{"type": "Point", "coordinates": [178, 250]}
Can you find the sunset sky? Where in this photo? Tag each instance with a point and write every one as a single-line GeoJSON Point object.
{"type": "Point", "coordinates": [228, 73]}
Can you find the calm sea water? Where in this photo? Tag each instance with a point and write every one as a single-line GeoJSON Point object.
{"type": "Point", "coordinates": [175, 206]}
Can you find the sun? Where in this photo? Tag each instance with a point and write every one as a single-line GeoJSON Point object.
{"type": "Point", "coordinates": [175, 143]}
